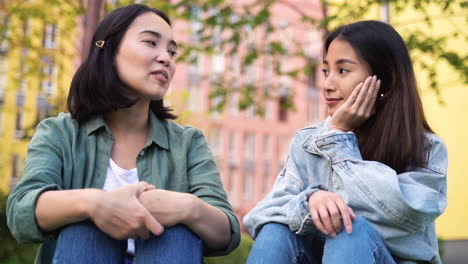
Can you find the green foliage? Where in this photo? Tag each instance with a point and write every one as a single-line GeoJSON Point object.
{"type": "Point", "coordinates": [10, 251]}
{"type": "Point", "coordinates": [228, 26]}
{"type": "Point", "coordinates": [239, 255]}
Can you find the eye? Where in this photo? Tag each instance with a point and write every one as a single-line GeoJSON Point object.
{"type": "Point", "coordinates": [325, 72]}
{"type": "Point", "coordinates": [343, 71]}
{"type": "Point", "coordinates": [172, 53]}
{"type": "Point", "coordinates": [151, 42]}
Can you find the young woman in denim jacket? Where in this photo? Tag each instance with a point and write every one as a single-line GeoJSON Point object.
{"type": "Point", "coordinates": [116, 168]}
{"type": "Point", "coordinates": [365, 185]}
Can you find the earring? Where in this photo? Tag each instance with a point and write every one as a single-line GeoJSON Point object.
{"type": "Point", "coordinates": [381, 95]}
{"type": "Point", "coordinates": [100, 43]}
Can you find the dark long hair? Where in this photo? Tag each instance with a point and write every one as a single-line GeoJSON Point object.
{"type": "Point", "coordinates": [395, 134]}
{"type": "Point", "coordinates": [96, 88]}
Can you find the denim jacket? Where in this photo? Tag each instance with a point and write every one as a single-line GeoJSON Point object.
{"type": "Point", "coordinates": [401, 207]}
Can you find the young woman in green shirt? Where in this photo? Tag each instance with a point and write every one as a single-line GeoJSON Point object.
{"type": "Point", "coordinates": [114, 180]}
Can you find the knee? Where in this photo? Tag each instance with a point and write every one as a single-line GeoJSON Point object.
{"type": "Point", "coordinates": [79, 229]}
{"type": "Point", "coordinates": [274, 230]}
{"type": "Point", "coordinates": [360, 224]}
{"type": "Point", "coordinates": [274, 236]}
{"type": "Point", "coordinates": [181, 232]}
{"type": "Point", "coordinates": [359, 232]}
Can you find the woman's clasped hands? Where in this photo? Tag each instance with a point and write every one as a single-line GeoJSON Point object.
{"type": "Point", "coordinates": [120, 214]}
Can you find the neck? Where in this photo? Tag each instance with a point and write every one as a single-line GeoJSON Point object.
{"type": "Point", "coordinates": [132, 120]}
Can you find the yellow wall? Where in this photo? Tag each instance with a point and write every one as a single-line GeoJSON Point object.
{"type": "Point", "coordinates": [449, 121]}
{"type": "Point", "coordinates": [63, 55]}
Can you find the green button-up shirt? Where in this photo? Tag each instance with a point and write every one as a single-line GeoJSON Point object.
{"type": "Point", "coordinates": [64, 154]}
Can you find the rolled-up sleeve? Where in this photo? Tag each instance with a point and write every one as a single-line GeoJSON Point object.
{"type": "Point", "coordinates": [205, 183]}
{"type": "Point", "coordinates": [42, 172]}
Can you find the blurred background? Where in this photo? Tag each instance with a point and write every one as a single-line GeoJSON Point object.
{"type": "Point", "coordinates": [248, 75]}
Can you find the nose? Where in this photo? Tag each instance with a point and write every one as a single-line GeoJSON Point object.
{"type": "Point", "coordinates": [329, 84]}
{"type": "Point", "coordinates": [164, 58]}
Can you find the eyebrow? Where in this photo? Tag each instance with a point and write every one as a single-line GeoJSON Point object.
{"type": "Point", "coordinates": [341, 61]}
{"type": "Point", "coordinates": [158, 35]}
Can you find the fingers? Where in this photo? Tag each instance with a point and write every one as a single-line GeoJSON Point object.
{"type": "Point", "coordinates": [366, 107]}
{"type": "Point", "coordinates": [153, 225]}
{"type": "Point", "coordinates": [345, 212]}
{"type": "Point", "coordinates": [354, 95]}
{"type": "Point", "coordinates": [362, 94]}
{"type": "Point", "coordinates": [328, 210]}
{"type": "Point", "coordinates": [335, 216]}
{"type": "Point", "coordinates": [369, 98]}
{"type": "Point", "coordinates": [351, 213]}
{"type": "Point", "coordinates": [143, 186]}
{"type": "Point", "coordinates": [325, 218]}
{"type": "Point", "coordinates": [317, 222]}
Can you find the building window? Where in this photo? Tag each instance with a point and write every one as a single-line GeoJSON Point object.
{"type": "Point", "coordinates": [43, 108]}
{"type": "Point", "coordinates": [49, 74]}
{"type": "Point", "coordinates": [233, 100]}
{"type": "Point", "coordinates": [313, 44]}
{"type": "Point", "coordinates": [48, 87]}
{"type": "Point", "coordinates": [232, 165]}
{"type": "Point", "coordinates": [217, 65]}
{"type": "Point", "coordinates": [283, 111]}
{"type": "Point", "coordinates": [1, 121]}
{"type": "Point", "coordinates": [249, 165]}
{"type": "Point", "coordinates": [231, 188]}
{"type": "Point", "coordinates": [3, 78]}
{"type": "Point", "coordinates": [6, 34]}
{"type": "Point", "coordinates": [215, 142]}
{"type": "Point", "coordinates": [26, 28]}
{"type": "Point", "coordinates": [248, 186]}
{"type": "Point", "coordinates": [15, 170]}
{"type": "Point", "coordinates": [194, 99]}
{"type": "Point", "coordinates": [232, 150]}
{"type": "Point", "coordinates": [50, 34]}
{"type": "Point", "coordinates": [19, 133]}
{"type": "Point", "coordinates": [267, 154]}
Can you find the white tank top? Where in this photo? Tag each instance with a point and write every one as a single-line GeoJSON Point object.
{"type": "Point", "coordinates": [117, 177]}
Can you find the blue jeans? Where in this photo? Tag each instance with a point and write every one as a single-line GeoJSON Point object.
{"type": "Point", "coordinates": [85, 243]}
{"type": "Point", "coordinates": [277, 244]}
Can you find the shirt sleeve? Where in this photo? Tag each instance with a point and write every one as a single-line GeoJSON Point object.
{"type": "Point", "coordinates": [287, 203]}
{"type": "Point", "coordinates": [205, 183]}
{"type": "Point", "coordinates": [42, 172]}
{"type": "Point", "coordinates": [405, 203]}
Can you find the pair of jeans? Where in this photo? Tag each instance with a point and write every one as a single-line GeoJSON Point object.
{"type": "Point", "coordinates": [85, 243]}
{"type": "Point", "coordinates": [277, 244]}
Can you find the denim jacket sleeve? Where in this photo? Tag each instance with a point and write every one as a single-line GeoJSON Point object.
{"type": "Point", "coordinates": [287, 203]}
{"type": "Point", "coordinates": [397, 204]}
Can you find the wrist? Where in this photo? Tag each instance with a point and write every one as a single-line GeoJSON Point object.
{"type": "Point", "coordinates": [90, 202]}
{"type": "Point", "coordinates": [192, 205]}
{"type": "Point", "coordinates": [337, 128]}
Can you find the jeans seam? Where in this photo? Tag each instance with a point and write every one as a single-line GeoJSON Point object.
{"type": "Point", "coordinates": [299, 254]}
{"type": "Point", "coordinates": [375, 252]}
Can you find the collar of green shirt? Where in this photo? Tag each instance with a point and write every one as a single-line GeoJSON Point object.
{"type": "Point", "coordinates": [157, 133]}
